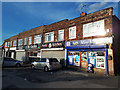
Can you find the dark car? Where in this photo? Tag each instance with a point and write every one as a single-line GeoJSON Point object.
{"type": "Point", "coordinates": [7, 61]}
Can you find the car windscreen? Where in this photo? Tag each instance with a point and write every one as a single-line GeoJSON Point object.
{"type": "Point", "coordinates": [53, 60]}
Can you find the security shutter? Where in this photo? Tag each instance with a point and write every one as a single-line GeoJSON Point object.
{"type": "Point", "coordinates": [53, 54]}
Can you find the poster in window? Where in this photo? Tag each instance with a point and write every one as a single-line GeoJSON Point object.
{"type": "Point", "coordinates": [71, 59]}
{"type": "Point", "coordinates": [100, 62]}
{"type": "Point", "coordinates": [76, 60]}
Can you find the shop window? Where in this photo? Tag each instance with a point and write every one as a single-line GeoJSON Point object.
{"type": "Point", "coordinates": [25, 41]}
{"type": "Point", "coordinates": [97, 58]}
{"type": "Point", "coordinates": [20, 42]}
{"type": "Point", "coordinates": [30, 40]}
{"type": "Point", "coordinates": [74, 58]}
{"type": "Point", "coordinates": [14, 43]}
{"type": "Point", "coordinates": [49, 36]}
{"type": "Point", "coordinates": [5, 44]}
{"type": "Point", "coordinates": [61, 35]}
{"type": "Point", "coordinates": [72, 32]}
{"type": "Point", "coordinates": [37, 39]}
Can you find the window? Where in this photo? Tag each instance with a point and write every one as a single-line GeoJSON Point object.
{"type": "Point", "coordinates": [5, 44]}
{"type": "Point", "coordinates": [8, 44]}
{"type": "Point", "coordinates": [30, 40]}
{"type": "Point", "coordinates": [61, 35]}
{"type": "Point", "coordinates": [11, 43]}
{"type": "Point", "coordinates": [49, 37]}
{"type": "Point", "coordinates": [37, 39]}
{"type": "Point", "coordinates": [72, 32]}
{"type": "Point", "coordinates": [20, 42]}
{"type": "Point", "coordinates": [43, 60]}
{"type": "Point", "coordinates": [25, 41]}
{"type": "Point", "coordinates": [14, 43]}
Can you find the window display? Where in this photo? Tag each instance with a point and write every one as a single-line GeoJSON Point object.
{"type": "Point", "coordinates": [74, 58]}
{"type": "Point", "coordinates": [97, 59]}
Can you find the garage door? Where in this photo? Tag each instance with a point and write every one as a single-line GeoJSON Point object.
{"type": "Point", "coordinates": [53, 54]}
{"type": "Point", "coordinates": [20, 56]}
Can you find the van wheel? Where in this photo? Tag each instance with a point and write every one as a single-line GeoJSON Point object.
{"type": "Point", "coordinates": [46, 69]}
{"type": "Point", "coordinates": [18, 65]}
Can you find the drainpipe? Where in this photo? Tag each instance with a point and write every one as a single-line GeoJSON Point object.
{"type": "Point", "coordinates": [107, 62]}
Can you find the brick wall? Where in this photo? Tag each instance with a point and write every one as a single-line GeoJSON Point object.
{"type": "Point", "coordinates": [105, 14]}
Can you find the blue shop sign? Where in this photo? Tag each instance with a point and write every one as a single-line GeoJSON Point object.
{"type": "Point", "coordinates": [81, 42]}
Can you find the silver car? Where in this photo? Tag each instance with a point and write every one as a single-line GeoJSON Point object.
{"type": "Point", "coordinates": [7, 61]}
{"type": "Point", "coordinates": [46, 64]}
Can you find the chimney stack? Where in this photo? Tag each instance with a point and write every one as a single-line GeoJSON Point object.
{"type": "Point", "coordinates": [83, 14]}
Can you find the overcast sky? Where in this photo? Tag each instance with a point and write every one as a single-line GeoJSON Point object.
{"type": "Point", "coordinates": [22, 16]}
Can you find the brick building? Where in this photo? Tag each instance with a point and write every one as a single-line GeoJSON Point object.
{"type": "Point", "coordinates": [90, 38]}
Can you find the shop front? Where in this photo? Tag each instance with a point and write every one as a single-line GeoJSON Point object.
{"type": "Point", "coordinates": [95, 51]}
{"type": "Point", "coordinates": [53, 50]}
{"type": "Point", "coordinates": [32, 52]}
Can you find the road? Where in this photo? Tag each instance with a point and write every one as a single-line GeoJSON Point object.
{"type": "Point", "coordinates": [25, 77]}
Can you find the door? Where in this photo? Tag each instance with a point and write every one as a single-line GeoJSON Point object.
{"type": "Point", "coordinates": [42, 63]}
{"type": "Point", "coordinates": [84, 59]}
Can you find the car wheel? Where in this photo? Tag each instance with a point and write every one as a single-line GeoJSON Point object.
{"type": "Point", "coordinates": [18, 65]}
{"type": "Point", "coordinates": [46, 69]}
{"type": "Point", "coordinates": [33, 67]}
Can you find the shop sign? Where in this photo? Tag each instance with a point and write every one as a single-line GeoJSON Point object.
{"type": "Point", "coordinates": [106, 40]}
{"type": "Point", "coordinates": [28, 47]}
{"type": "Point", "coordinates": [53, 45]}
{"type": "Point", "coordinates": [32, 46]}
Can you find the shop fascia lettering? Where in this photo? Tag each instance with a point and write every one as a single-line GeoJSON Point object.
{"type": "Point", "coordinates": [106, 40]}
{"type": "Point", "coordinates": [28, 47]}
{"type": "Point", "coordinates": [52, 45]}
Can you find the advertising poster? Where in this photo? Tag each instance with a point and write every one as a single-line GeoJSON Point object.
{"type": "Point", "coordinates": [100, 62]}
{"type": "Point", "coordinates": [92, 60]}
{"type": "Point", "coordinates": [77, 60]}
{"type": "Point", "coordinates": [74, 60]}
{"type": "Point", "coordinates": [71, 59]}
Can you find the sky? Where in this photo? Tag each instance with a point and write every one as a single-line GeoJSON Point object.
{"type": "Point", "coordinates": [22, 16]}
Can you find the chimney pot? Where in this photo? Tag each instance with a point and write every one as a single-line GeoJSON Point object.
{"type": "Point", "coordinates": [83, 14]}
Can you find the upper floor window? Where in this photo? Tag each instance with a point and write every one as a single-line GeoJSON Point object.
{"type": "Point", "coordinates": [72, 32]}
{"type": "Point", "coordinates": [61, 35]}
{"type": "Point", "coordinates": [25, 41]}
{"type": "Point", "coordinates": [37, 39]}
{"type": "Point", "coordinates": [8, 44]}
{"type": "Point", "coordinates": [20, 42]}
{"type": "Point", "coordinates": [14, 43]}
{"type": "Point", "coordinates": [5, 44]}
{"type": "Point", "coordinates": [49, 36]}
{"type": "Point", "coordinates": [30, 40]}
{"type": "Point", "coordinates": [11, 43]}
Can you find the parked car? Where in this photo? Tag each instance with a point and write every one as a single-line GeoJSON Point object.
{"type": "Point", "coordinates": [7, 61]}
{"type": "Point", "coordinates": [46, 64]}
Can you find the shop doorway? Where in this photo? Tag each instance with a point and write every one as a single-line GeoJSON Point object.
{"type": "Point", "coordinates": [84, 60]}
